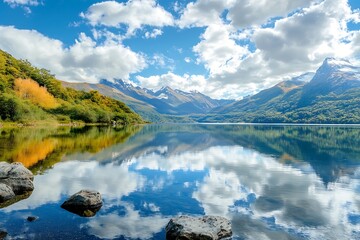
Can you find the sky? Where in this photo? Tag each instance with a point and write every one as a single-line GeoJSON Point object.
{"type": "Point", "coordinates": [222, 48]}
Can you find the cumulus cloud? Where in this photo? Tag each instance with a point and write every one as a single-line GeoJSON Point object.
{"type": "Point", "coordinates": [156, 32]}
{"type": "Point", "coordinates": [300, 35]}
{"type": "Point", "coordinates": [246, 13]}
{"type": "Point", "coordinates": [85, 60]}
{"type": "Point", "coordinates": [134, 14]}
{"type": "Point", "coordinates": [24, 4]}
{"type": "Point", "coordinates": [218, 51]}
{"type": "Point", "coordinates": [203, 13]}
{"type": "Point", "coordinates": [15, 3]}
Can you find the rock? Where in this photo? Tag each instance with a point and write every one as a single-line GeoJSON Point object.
{"type": "Point", "coordinates": [203, 228]}
{"type": "Point", "coordinates": [31, 218]}
{"type": "Point", "coordinates": [3, 234]}
{"type": "Point", "coordinates": [6, 193]}
{"type": "Point", "coordinates": [16, 170]}
{"type": "Point", "coordinates": [15, 180]}
{"type": "Point", "coordinates": [16, 176]}
{"type": "Point", "coordinates": [85, 203]}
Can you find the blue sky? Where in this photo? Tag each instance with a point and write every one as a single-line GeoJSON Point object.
{"type": "Point", "coordinates": [223, 48]}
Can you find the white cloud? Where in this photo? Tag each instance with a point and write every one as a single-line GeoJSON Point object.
{"type": "Point", "coordinates": [203, 13]}
{"type": "Point", "coordinates": [84, 61]}
{"type": "Point", "coordinates": [24, 4]}
{"type": "Point", "coordinates": [187, 59]}
{"type": "Point", "coordinates": [246, 13]}
{"type": "Point", "coordinates": [159, 60]}
{"type": "Point", "coordinates": [15, 3]}
{"type": "Point", "coordinates": [307, 32]}
{"type": "Point", "coordinates": [156, 32]}
{"type": "Point", "coordinates": [185, 82]}
{"type": "Point", "coordinates": [218, 51]}
{"type": "Point", "coordinates": [134, 14]}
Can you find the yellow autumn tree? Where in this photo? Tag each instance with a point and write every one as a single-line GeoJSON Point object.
{"type": "Point", "coordinates": [31, 90]}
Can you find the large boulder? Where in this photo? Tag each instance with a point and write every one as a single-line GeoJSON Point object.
{"type": "Point", "coordinates": [85, 203]}
{"type": "Point", "coordinates": [15, 183]}
{"type": "Point", "coordinates": [16, 176]}
{"type": "Point", "coordinates": [202, 228]}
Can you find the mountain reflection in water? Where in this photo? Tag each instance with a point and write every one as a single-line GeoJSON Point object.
{"type": "Point", "coordinates": [273, 181]}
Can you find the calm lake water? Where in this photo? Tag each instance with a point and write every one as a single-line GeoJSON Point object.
{"type": "Point", "coordinates": [273, 182]}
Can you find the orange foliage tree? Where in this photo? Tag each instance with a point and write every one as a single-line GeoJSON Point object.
{"type": "Point", "coordinates": [31, 90]}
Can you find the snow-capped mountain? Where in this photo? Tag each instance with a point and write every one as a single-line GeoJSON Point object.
{"type": "Point", "coordinates": [166, 100]}
{"type": "Point", "coordinates": [334, 76]}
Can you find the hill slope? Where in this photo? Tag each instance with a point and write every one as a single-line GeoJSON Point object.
{"type": "Point", "coordinates": [29, 94]}
{"type": "Point", "coordinates": [332, 96]}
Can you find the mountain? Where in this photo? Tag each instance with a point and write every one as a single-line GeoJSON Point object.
{"type": "Point", "coordinates": [334, 76]}
{"type": "Point", "coordinates": [145, 110]}
{"type": "Point", "coordinates": [164, 105]}
{"type": "Point", "coordinates": [331, 96]}
{"type": "Point", "coordinates": [169, 101]}
{"type": "Point", "coordinates": [31, 95]}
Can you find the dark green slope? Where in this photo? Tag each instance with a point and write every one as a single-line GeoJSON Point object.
{"type": "Point", "coordinates": [69, 104]}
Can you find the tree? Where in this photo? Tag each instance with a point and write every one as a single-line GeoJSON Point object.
{"type": "Point", "coordinates": [31, 90]}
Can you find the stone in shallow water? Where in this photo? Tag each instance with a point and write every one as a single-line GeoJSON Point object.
{"type": "Point", "coordinates": [203, 228]}
{"type": "Point", "coordinates": [31, 218]}
{"type": "Point", "coordinates": [85, 203]}
{"type": "Point", "coordinates": [15, 180]}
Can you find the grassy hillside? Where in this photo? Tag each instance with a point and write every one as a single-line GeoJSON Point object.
{"type": "Point", "coordinates": [343, 108]}
{"type": "Point", "coordinates": [29, 95]}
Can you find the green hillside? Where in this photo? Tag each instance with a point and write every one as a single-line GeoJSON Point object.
{"type": "Point", "coordinates": [332, 108]}
{"type": "Point", "coordinates": [30, 95]}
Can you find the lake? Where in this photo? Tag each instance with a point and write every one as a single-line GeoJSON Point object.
{"type": "Point", "coordinates": [272, 181]}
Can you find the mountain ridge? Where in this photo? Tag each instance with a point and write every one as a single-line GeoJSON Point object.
{"type": "Point", "coordinates": [163, 105]}
{"type": "Point", "coordinates": [331, 96]}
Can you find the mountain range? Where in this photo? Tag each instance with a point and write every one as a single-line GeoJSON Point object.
{"type": "Point", "coordinates": [164, 105]}
{"type": "Point", "coordinates": [330, 95]}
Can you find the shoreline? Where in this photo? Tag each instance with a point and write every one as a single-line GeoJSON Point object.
{"type": "Point", "coordinates": [54, 124]}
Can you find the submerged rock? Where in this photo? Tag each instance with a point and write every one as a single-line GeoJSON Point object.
{"type": "Point", "coordinates": [202, 228]}
{"type": "Point", "coordinates": [3, 234]}
{"type": "Point", "coordinates": [15, 179]}
{"type": "Point", "coordinates": [85, 203]}
{"type": "Point", "coordinates": [32, 218]}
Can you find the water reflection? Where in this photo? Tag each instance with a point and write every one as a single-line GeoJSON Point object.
{"type": "Point", "coordinates": [274, 182]}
